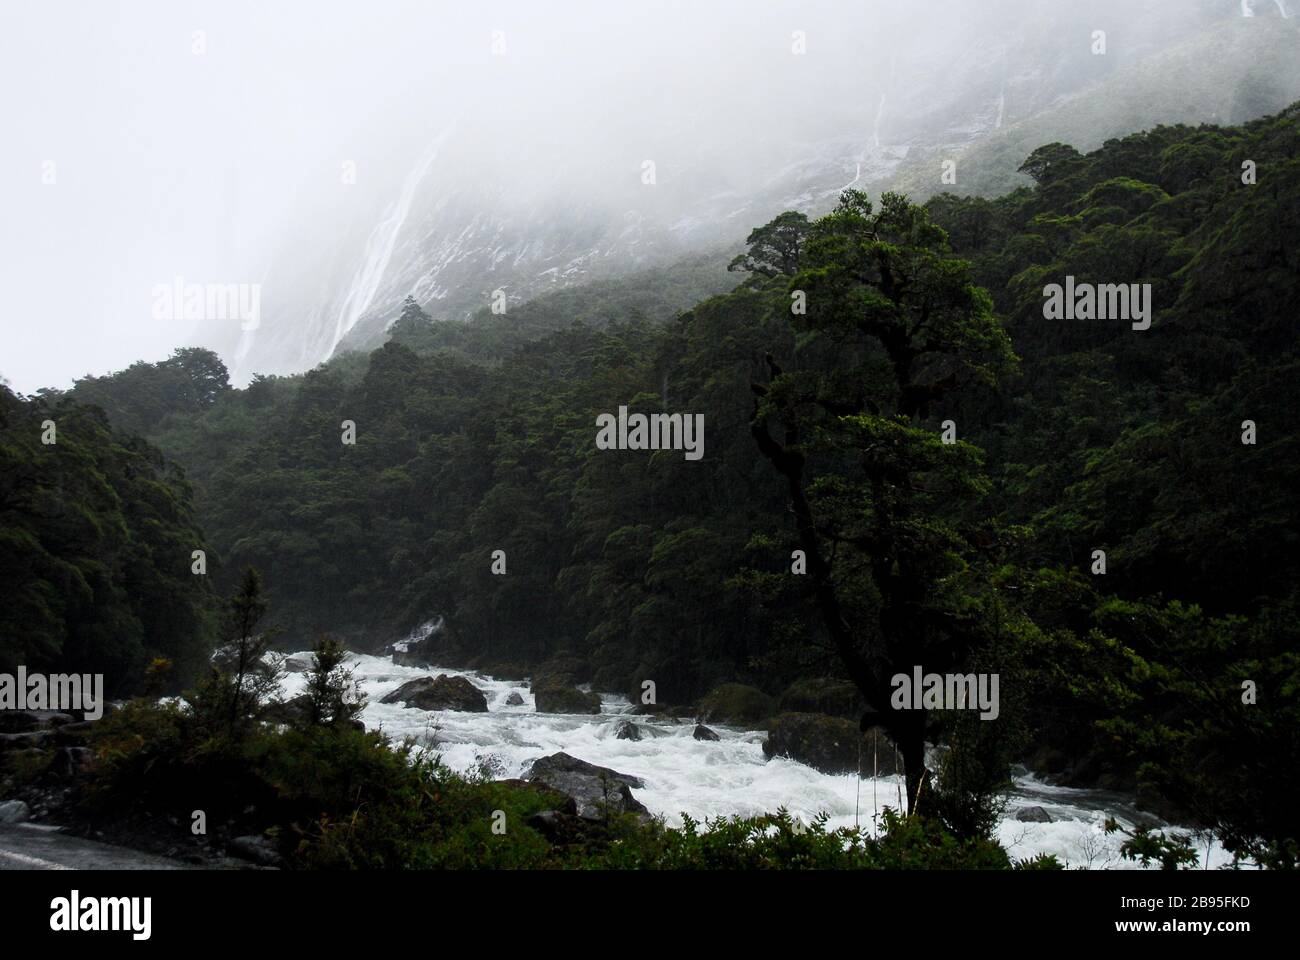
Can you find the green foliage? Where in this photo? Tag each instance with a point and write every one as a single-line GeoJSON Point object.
{"type": "Point", "coordinates": [332, 692]}
{"type": "Point", "coordinates": [475, 437]}
{"type": "Point", "coordinates": [96, 536]}
{"type": "Point", "coordinates": [1147, 846]}
{"type": "Point", "coordinates": [338, 798]}
{"type": "Point", "coordinates": [1132, 442]}
{"type": "Point", "coordinates": [242, 678]}
{"type": "Point", "coordinates": [879, 502]}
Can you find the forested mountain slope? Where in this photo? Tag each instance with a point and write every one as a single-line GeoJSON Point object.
{"type": "Point", "coordinates": [1094, 436]}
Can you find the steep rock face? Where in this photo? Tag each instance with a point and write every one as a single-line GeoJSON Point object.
{"type": "Point", "coordinates": [466, 219]}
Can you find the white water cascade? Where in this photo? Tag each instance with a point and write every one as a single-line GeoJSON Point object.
{"type": "Point", "coordinates": [710, 779]}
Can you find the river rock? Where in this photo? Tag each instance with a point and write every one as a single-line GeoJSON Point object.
{"type": "Point", "coordinates": [554, 694]}
{"type": "Point", "coordinates": [440, 693]}
{"type": "Point", "coordinates": [257, 849]}
{"type": "Point", "coordinates": [702, 732]}
{"type": "Point", "coordinates": [515, 699]}
{"type": "Point", "coordinates": [1033, 815]}
{"type": "Point", "coordinates": [14, 811]}
{"type": "Point", "coordinates": [590, 786]}
{"type": "Point", "coordinates": [830, 744]}
{"type": "Point", "coordinates": [627, 730]}
{"type": "Point", "coordinates": [293, 712]}
{"type": "Point", "coordinates": [296, 665]}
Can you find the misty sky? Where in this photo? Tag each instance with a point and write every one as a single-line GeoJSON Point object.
{"type": "Point", "coordinates": [164, 161]}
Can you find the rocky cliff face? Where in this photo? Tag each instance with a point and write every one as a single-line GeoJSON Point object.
{"type": "Point", "coordinates": [482, 209]}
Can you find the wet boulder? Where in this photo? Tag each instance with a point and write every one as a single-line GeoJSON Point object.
{"type": "Point", "coordinates": [515, 699]}
{"type": "Point", "coordinates": [293, 712]}
{"type": "Point", "coordinates": [626, 730]}
{"type": "Point", "coordinates": [555, 694]}
{"type": "Point", "coordinates": [259, 849]}
{"type": "Point", "coordinates": [439, 693]}
{"type": "Point", "coordinates": [702, 732]}
{"type": "Point", "coordinates": [14, 811]}
{"type": "Point", "coordinates": [595, 790]}
{"type": "Point", "coordinates": [831, 745]}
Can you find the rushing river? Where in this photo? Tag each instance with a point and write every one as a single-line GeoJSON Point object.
{"type": "Point", "coordinates": [712, 779]}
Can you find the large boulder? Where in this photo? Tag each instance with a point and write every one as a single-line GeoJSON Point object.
{"type": "Point", "coordinates": [831, 744]}
{"type": "Point", "coordinates": [292, 712]}
{"type": "Point", "coordinates": [701, 732]}
{"type": "Point", "coordinates": [259, 849]}
{"type": "Point", "coordinates": [594, 789]}
{"type": "Point", "coordinates": [515, 699]}
{"type": "Point", "coordinates": [1034, 814]}
{"type": "Point", "coordinates": [626, 730]}
{"type": "Point", "coordinates": [555, 694]}
{"type": "Point", "coordinates": [14, 811]}
{"type": "Point", "coordinates": [440, 693]}
{"type": "Point", "coordinates": [838, 698]}
{"type": "Point", "coordinates": [736, 703]}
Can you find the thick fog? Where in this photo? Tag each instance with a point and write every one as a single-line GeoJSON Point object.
{"type": "Point", "coordinates": [233, 142]}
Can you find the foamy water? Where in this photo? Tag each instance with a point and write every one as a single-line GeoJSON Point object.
{"type": "Point", "coordinates": [711, 779]}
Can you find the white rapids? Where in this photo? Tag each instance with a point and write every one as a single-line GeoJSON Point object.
{"type": "Point", "coordinates": [712, 779]}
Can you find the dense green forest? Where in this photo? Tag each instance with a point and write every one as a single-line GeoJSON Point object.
{"type": "Point", "coordinates": [95, 547]}
{"type": "Point", "coordinates": [1073, 436]}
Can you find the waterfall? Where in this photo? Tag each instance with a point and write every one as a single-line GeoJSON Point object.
{"type": "Point", "coordinates": [1002, 107]}
{"type": "Point", "coordinates": [379, 247]}
{"type": "Point", "coordinates": [422, 632]}
{"type": "Point", "coordinates": [1248, 8]}
{"type": "Point", "coordinates": [707, 778]}
{"type": "Point", "coordinates": [856, 177]}
{"type": "Point", "coordinates": [880, 112]}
